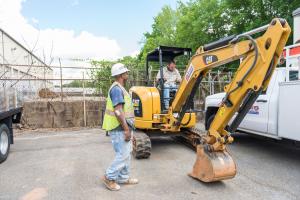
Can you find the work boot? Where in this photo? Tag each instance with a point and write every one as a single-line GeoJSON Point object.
{"type": "Point", "coordinates": [131, 181]}
{"type": "Point", "coordinates": [110, 184]}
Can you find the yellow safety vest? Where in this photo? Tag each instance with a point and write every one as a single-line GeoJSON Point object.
{"type": "Point", "coordinates": [110, 121]}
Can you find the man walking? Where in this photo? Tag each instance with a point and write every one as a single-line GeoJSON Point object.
{"type": "Point", "coordinates": [118, 118]}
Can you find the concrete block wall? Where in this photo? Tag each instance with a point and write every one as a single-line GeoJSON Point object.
{"type": "Point", "coordinates": [67, 114]}
{"type": "Point", "coordinates": [57, 114]}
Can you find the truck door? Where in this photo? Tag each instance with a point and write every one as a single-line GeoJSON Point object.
{"type": "Point", "coordinates": [257, 118]}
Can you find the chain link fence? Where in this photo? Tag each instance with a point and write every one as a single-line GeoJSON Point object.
{"type": "Point", "coordinates": [67, 83]}
{"type": "Point", "coordinates": [77, 88]}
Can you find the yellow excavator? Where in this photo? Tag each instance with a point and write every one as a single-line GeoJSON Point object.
{"type": "Point", "coordinates": [258, 59]}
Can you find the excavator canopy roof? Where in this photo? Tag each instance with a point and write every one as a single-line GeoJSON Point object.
{"type": "Point", "coordinates": [168, 53]}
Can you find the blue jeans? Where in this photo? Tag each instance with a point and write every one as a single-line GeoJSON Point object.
{"type": "Point", "coordinates": [120, 167]}
{"type": "Point", "coordinates": [168, 87]}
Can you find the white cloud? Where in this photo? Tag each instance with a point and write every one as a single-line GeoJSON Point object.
{"type": "Point", "coordinates": [34, 20]}
{"type": "Point", "coordinates": [66, 44]}
{"type": "Point", "coordinates": [135, 53]}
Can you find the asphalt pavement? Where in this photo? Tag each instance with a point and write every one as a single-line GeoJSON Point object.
{"type": "Point", "coordinates": [69, 164]}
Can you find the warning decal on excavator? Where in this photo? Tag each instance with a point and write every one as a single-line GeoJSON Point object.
{"type": "Point", "coordinates": [189, 72]}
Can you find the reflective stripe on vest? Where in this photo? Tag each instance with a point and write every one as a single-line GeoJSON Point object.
{"type": "Point", "coordinates": [110, 121]}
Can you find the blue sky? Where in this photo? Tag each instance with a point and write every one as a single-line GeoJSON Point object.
{"type": "Point", "coordinates": [123, 21]}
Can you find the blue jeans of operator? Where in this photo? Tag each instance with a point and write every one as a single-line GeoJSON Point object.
{"type": "Point", "coordinates": [120, 167]}
{"type": "Point", "coordinates": [168, 87]}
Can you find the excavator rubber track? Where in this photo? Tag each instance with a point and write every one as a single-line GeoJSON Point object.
{"type": "Point", "coordinates": [141, 145]}
{"type": "Point", "coordinates": [190, 137]}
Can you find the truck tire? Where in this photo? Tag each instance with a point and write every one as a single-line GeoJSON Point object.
{"type": "Point", "coordinates": [4, 142]}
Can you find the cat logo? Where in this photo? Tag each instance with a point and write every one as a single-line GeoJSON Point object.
{"type": "Point", "coordinates": [208, 59]}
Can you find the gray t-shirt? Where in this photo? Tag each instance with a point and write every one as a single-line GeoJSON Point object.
{"type": "Point", "coordinates": [170, 76]}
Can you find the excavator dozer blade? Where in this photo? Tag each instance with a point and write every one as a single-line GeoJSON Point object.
{"type": "Point", "coordinates": [213, 166]}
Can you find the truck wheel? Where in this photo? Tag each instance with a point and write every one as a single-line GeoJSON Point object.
{"type": "Point", "coordinates": [209, 121]}
{"type": "Point", "coordinates": [4, 142]}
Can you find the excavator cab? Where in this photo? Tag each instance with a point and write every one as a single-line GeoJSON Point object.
{"type": "Point", "coordinates": [161, 55]}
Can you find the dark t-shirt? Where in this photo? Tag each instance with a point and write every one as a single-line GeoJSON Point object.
{"type": "Point", "coordinates": [116, 96]}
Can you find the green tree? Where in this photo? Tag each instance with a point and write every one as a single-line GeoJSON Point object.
{"type": "Point", "coordinates": [163, 32]}
{"type": "Point", "coordinates": [79, 83]}
{"type": "Point", "coordinates": [249, 14]}
{"type": "Point", "coordinates": [102, 75]}
{"type": "Point", "coordinates": [201, 22]}
{"type": "Point", "coordinates": [198, 22]}
{"type": "Point", "coordinates": [195, 23]}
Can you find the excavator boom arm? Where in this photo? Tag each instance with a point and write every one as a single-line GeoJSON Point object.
{"type": "Point", "coordinates": [259, 58]}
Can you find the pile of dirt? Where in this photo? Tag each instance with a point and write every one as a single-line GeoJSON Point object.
{"type": "Point", "coordinates": [46, 93]}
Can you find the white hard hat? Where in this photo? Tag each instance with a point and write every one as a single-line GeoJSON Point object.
{"type": "Point", "coordinates": [118, 68]}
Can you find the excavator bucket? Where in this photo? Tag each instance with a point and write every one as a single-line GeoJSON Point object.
{"type": "Point", "coordinates": [213, 166]}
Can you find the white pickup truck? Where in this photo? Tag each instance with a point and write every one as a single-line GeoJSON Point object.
{"type": "Point", "coordinates": [276, 112]}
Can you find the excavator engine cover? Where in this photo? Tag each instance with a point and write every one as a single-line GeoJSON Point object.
{"type": "Point", "coordinates": [213, 166]}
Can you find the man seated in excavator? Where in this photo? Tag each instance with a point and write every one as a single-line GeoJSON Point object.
{"type": "Point", "coordinates": [171, 79]}
{"type": "Point", "coordinates": [259, 57]}
{"type": "Point", "coordinates": [168, 78]}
